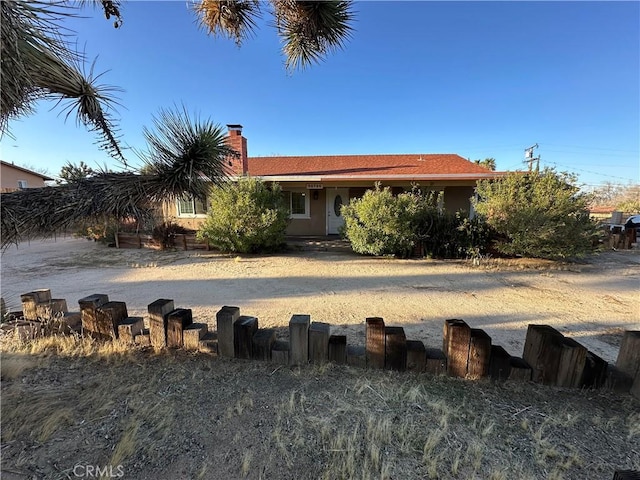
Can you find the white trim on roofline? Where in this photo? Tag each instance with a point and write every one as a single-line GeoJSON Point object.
{"type": "Point", "coordinates": [328, 178]}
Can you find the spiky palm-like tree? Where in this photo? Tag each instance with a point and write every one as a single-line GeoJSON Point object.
{"type": "Point", "coordinates": [37, 62]}
{"type": "Point", "coordinates": [308, 30]}
{"type": "Point", "coordinates": [185, 156]}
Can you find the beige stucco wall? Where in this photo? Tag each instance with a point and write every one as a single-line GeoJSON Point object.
{"type": "Point", "coordinates": [457, 198]}
{"type": "Point", "coordinates": [9, 177]}
{"type": "Point", "coordinates": [316, 225]}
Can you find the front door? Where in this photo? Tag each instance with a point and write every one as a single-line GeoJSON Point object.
{"type": "Point", "coordinates": [336, 197]}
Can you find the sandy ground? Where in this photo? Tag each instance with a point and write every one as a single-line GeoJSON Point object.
{"type": "Point", "coordinates": [593, 301]}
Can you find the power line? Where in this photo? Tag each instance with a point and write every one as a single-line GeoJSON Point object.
{"type": "Point", "coordinates": [588, 171]}
{"type": "Point", "coordinates": [591, 154]}
{"type": "Point", "coordinates": [592, 148]}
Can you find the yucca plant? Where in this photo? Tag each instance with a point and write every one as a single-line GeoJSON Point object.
{"type": "Point", "coordinates": [37, 62]}
{"type": "Point", "coordinates": [185, 156]}
{"type": "Point", "coordinates": [309, 30]}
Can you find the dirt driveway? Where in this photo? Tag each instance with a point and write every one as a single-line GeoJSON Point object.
{"type": "Point", "coordinates": [591, 301]}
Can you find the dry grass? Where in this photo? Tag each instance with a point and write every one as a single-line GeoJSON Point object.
{"type": "Point", "coordinates": [100, 404]}
{"type": "Point", "coordinates": [13, 366]}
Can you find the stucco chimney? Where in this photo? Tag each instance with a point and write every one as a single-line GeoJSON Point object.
{"type": "Point", "coordinates": [237, 165]}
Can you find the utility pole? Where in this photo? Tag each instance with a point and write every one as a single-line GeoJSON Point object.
{"type": "Point", "coordinates": [530, 159]}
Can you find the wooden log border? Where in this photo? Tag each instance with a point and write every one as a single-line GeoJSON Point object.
{"type": "Point", "coordinates": [548, 357]}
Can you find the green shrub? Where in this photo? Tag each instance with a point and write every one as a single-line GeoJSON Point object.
{"type": "Point", "coordinates": [537, 214]}
{"type": "Point", "coordinates": [442, 234]}
{"type": "Point", "coordinates": [246, 216]}
{"type": "Point", "coordinates": [380, 223]}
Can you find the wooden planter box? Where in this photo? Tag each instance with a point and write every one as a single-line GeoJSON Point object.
{"type": "Point", "coordinates": [181, 241]}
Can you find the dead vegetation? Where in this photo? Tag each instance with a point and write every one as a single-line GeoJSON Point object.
{"type": "Point", "coordinates": [68, 401]}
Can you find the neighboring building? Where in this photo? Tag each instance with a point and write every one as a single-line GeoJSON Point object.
{"type": "Point", "coordinates": [13, 177]}
{"type": "Point", "coordinates": [317, 186]}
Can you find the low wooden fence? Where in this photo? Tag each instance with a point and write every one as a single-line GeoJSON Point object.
{"type": "Point", "coordinates": [180, 241]}
{"type": "Point", "coordinates": [548, 358]}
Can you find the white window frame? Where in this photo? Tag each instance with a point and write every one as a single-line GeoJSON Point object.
{"type": "Point", "coordinates": [307, 203]}
{"type": "Point", "coordinates": [192, 200]}
{"type": "Point", "coordinates": [22, 184]}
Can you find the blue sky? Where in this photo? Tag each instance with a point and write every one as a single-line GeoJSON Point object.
{"type": "Point", "coordinates": [480, 79]}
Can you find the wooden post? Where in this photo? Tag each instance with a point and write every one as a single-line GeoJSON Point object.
{"type": "Point", "coordinates": [356, 356]}
{"type": "Point", "coordinates": [395, 349]}
{"type": "Point", "coordinates": [457, 337]}
{"type": "Point", "coordinates": [129, 328]}
{"type": "Point", "coordinates": [208, 343]}
{"type": "Point", "coordinates": [338, 349]}
{"type": "Point", "coordinates": [416, 356]}
{"type": "Point", "coordinates": [31, 300]}
{"type": "Point", "coordinates": [262, 343]}
{"type": "Point", "coordinates": [436, 362]}
{"type": "Point", "coordinates": [319, 342]}
{"type": "Point", "coordinates": [42, 295]}
{"type": "Point", "coordinates": [500, 364]}
{"type": "Point", "coordinates": [29, 307]}
{"type": "Point", "coordinates": [375, 339]}
{"type": "Point", "coordinates": [108, 316]}
{"type": "Point", "coordinates": [192, 335]}
{"type": "Point", "coordinates": [629, 355]}
{"type": "Point", "coordinates": [158, 312]}
{"type": "Point", "coordinates": [519, 370]}
{"type": "Point", "coordinates": [225, 318]}
{"type": "Point", "coordinates": [299, 339]}
{"type": "Point", "coordinates": [479, 354]}
{"type": "Point", "coordinates": [143, 339]}
{"type": "Point", "coordinates": [88, 307]}
{"type": "Point", "coordinates": [572, 361]}
{"type": "Point", "coordinates": [594, 374]}
{"type": "Point", "coordinates": [51, 308]}
{"type": "Point", "coordinates": [243, 330]}
{"type": "Point", "coordinates": [542, 350]}
{"type": "Point", "coordinates": [280, 352]}
{"type": "Point", "coordinates": [73, 321]}
{"type": "Point", "coordinates": [177, 321]}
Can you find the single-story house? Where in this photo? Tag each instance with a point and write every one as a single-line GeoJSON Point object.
{"type": "Point", "coordinates": [14, 177]}
{"type": "Point", "coordinates": [317, 186]}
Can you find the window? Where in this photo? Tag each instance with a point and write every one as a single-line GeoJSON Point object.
{"type": "Point", "coordinates": [22, 184]}
{"type": "Point", "coordinates": [298, 203]}
{"type": "Point", "coordinates": [190, 207]}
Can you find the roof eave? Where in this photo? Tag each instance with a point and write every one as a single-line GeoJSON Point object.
{"type": "Point", "coordinates": [380, 178]}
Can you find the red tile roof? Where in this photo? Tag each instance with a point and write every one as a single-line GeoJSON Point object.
{"type": "Point", "coordinates": [404, 166]}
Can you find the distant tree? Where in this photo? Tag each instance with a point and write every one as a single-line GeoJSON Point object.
{"type": "Point", "coordinates": [537, 214]}
{"type": "Point", "coordinates": [624, 198]}
{"type": "Point", "coordinates": [71, 173]}
{"type": "Point", "coordinates": [489, 163]}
